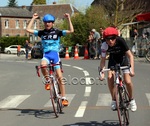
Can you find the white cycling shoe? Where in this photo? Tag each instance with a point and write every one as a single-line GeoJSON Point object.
{"type": "Point", "coordinates": [133, 105]}
{"type": "Point", "coordinates": [113, 105]}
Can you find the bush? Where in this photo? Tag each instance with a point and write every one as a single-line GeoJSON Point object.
{"type": "Point", "coordinates": [7, 41]}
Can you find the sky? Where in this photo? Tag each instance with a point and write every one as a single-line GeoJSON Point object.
{"type": "Point", "coordinates": [78, 3]}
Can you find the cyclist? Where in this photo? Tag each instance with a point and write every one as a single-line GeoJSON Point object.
{"type": "Point", "coordinates": [119, 54]}
{"type": "Point", "coordinates": [50, 38]}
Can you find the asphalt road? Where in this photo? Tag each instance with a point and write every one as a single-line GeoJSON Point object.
{"type": "Point", "coordinates": [25, 102]}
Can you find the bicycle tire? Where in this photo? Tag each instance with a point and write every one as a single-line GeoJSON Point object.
{"type": "Point", "coordinates": [147, 56]}
{"type": "Point", "coordinates": [53, 101]}
{"type": "Point", "coordinates": [122, 105]}
{"type": "Point", "coordinates": [56, 102]}
{"type": "Point", "coordinates": [126, 106]}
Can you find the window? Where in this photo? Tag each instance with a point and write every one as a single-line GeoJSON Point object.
{"type": "Point", "coordinates": [6, 23]}
{"type": "Point", "coordinates": [17, 23]}
{"type": "Point", "coordinates": [35, 25]}
{"type": "Point", "coordinates": [35, 38]}
{"type": "Point", "coordinates": [25, 24]}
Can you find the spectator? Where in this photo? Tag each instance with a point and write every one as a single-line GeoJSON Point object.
{"type": "Point", "coordinates": [89, 44]}
{"type": "Point", "coordinates": [96, 38]}
{"type": "Point", "coordinates": [18, 50]}
{"type": "Point", "coordinates": [27, 48]}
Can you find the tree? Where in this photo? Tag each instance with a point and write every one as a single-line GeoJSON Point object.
{"type": "Point", "coordinates": [121, 11]}
{"type": "Point", "coordinates": [36, 2]}
{"type": "Point", "coordinates": [12, 3]}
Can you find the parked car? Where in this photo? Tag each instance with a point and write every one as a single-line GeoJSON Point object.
{"type": "Point", "coordinates": [37, 50]}
{"type": "Point", "coordinates": [12, 49]}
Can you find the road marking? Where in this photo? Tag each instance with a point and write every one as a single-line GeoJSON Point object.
{"type": "Point", "coordinates": [87, 91]}
{"type": "Point", "coordinates": [81, 109]}
{"type": "Point", "coordinates": [13, 101]}
{"type": "Point", "coordinates": [79, 68]}
{"type": "Point", "coordinates": [66, 65]}
{"type": "Point", "coordinates": [68, 96]}
{"type": "Point", "coordinates": [104, 100]}
{"type": "Point", "coordinates": [148, 97]}
{"type": "Point", "coordinates": [88, 80]}
{"type": "Point", "coordinates": [86, 73]}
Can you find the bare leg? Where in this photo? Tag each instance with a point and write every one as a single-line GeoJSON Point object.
{"type": "Point", "coordinates": [44, 70]}
{"type": "Point", "coordinates": [129, 85]}
{"type": "Point", "coordinates": [60, 81]}
{"type": "Point", "coordinates": [111, 84]}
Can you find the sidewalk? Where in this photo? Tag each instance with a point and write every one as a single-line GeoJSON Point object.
{"type": "Point", "coordinates": [11, 57]}
{"type": "Point", "coordinates": [22, 57]}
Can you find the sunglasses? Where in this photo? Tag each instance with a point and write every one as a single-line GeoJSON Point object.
{"type": "Point", "coordinates": [110, 38]}
{"type": "Point", "coordinates": [48, 21]}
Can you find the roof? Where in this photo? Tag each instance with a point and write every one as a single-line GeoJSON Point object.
{"type": "Point", "coordinates": [57, 10]}
{"type": "Point", "coordinates": [143, 17]}
{"type": "Point", "coordinates": [14, 12]}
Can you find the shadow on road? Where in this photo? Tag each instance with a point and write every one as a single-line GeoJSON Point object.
{"type": "Point", "coordinates": [95, 123]}
{"type": "Point", "coordinates": [38, 113]}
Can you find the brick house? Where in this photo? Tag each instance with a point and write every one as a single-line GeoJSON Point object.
{"type": "Point", "coordinates": [13, 21]}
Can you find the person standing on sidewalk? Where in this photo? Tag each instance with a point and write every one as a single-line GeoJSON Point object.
{"type": "Point", "coordinates": [27, 48]}
{"type": "Point", "coordinates": [50, 38]}
{"type": "Point", "coordinates": [18, 50]}
{"type": "Point", "coordinates": [96, 38]}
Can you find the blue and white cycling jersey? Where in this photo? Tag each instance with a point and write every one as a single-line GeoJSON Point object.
{"type": "Point", "coordinates": [50, 38]}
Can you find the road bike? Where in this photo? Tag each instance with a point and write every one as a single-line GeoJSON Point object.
{"type": "Point", "coordinates": [52, 86]}
{"type": "Point", "coordinates": [121, 94]}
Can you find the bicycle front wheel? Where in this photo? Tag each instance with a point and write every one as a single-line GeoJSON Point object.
{"type": "Point", "coordinates": [55, 100]}
{"type": "Point", "coordinates": [122, 102]}
{"type": "Point", "coordinates": [147, 56]}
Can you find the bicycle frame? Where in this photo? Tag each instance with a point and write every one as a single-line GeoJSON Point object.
{"type": "Point", "coordinates": [54, 87]}
{"type": "Point", "coordinates": [121, 94]}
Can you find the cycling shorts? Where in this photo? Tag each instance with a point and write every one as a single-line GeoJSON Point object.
{"type": "Point", "coordinates": [123, 62]}
{"type": "Point", "coordinates": [52, 57]}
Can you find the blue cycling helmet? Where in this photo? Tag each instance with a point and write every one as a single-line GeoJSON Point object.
{"type": "Point", "coordinates": [48, 17]}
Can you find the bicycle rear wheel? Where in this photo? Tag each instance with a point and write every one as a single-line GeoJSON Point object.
{"type": "Point", "coordinates": [55, 100]}
{"type": "Point", "coordinates": [122, 102]}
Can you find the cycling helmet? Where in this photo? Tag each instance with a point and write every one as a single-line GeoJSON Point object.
{"type": "Point", "coordinates": [110, 31]}
{"type": "Point", "coordinates": [48, 17]}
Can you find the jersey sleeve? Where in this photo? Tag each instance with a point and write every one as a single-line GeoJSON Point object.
{"type": "Point", "coordinates": [36, 32]}
{"type": "Point", "coordinates": [64, 32]}
{"type": "Point", "coordinates": [104, 48]}
{"type": "Point", "coordinates": [124, 43]}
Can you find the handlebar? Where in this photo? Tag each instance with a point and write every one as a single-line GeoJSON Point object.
{"type": "Point", "coordinates": [50, 66]}
{"type": "Point", "coordinates": [113, 68]}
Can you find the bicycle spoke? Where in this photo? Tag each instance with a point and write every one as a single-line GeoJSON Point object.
{"type": "Point", "coordinates": [122, 101]}
{"type": "Point", "coordinates": [52, 96]}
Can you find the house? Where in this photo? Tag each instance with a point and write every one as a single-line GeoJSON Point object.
{"type": "Point", "coordinates": [13, 21]}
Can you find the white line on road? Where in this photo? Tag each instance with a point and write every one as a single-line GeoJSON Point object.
{"type": "Point", "coordinates": [86, 73]}
{"type": "Point", "coordinates": [103, 100]}
{"type": "Point", "coordinates": [87, 91]}
{"type": "Point", "coordinates": [81, 109]}
{"type": "Point", "coordinates": [148, 97]}
{"type": "Point", "coordinates": [13, 101]}
{"type": "Point", "coordinates": [68, 96]}
{"type": "Point", "coordinates": [79, 68]}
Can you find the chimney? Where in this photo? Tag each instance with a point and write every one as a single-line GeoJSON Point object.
{"type": "Point", "coordinates": [23, 7]}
